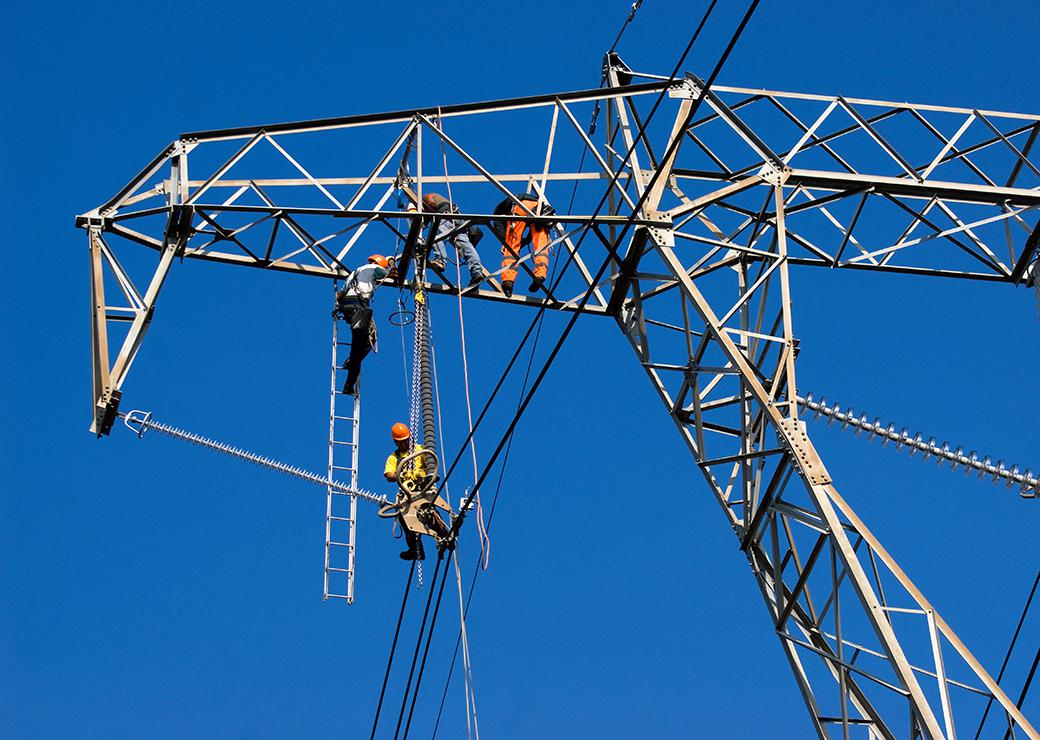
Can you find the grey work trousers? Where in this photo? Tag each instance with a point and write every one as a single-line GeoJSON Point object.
{"type": "Point", "coordinates": [467, 253]}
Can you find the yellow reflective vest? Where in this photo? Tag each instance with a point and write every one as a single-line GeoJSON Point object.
{"type": "Point", "coordinates": [417, 469]}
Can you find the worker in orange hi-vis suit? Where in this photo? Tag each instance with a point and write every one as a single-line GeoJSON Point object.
{"type": "Point", "coordinates": [515, 232]}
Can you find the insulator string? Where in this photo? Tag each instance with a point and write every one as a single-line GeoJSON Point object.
{"type": "Point", "coordinates": [139, 422]}
{"type": "Point", "coordinates": [914, 442]}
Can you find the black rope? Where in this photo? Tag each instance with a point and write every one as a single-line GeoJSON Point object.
{"type": "Point", "coordinates": [426, 650]}
{"type": "Point", "coordinates": [418, 645]}
{"type": "Point", "coordinates": [393, 649]}
{"type": "Point", "coordinates": [1011, 647]}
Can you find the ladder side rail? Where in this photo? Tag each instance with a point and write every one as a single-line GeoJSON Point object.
{"type": "Point", "coordinates": [332, 446]}
{"type": "Point", "coordinates": [356, 439]}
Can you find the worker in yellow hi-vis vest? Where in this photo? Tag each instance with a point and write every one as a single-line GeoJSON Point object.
{"type": "Point", "coordinates": [410, 478]}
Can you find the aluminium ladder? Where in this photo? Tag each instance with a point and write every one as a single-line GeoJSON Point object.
{"type": "Point", "coordinates": [341, 509]}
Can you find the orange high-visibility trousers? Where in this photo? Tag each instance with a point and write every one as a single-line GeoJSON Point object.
{"type": "Point", "coordinates": [514, 237]}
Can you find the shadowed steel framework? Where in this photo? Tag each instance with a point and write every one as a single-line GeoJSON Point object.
{"type": "Point", "coordinates": [756, 183]}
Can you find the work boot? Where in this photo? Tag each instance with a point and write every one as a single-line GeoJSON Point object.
{"type": "Point", "coordinates": [507, 288]}
{"type": "Point", "coordinates": [475, 278]}
{"type": "Point", "coordinates": [536, 284]}
{"type": "Point", "coordinates": [437, 265]}
{"type": "Point", "coordinates": [349, 386]}
{"type": "Point", "coordinates": [415, 549]}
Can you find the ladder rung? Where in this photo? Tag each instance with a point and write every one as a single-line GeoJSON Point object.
{"type": "Point", "coordinates": [337, 442]}
{"type": "Point", "coordinates": [343, 418]}
{"type": "Point", "coordinates": [340, 544]}
{"type": "Point", "coordinates": [336, 596]}
{"type": "Point", "coordinates": [338, 570]}
{"type": "Point", "coordinates": [342, 467]}
{"type": "Point", "coordinates": [340, 518]}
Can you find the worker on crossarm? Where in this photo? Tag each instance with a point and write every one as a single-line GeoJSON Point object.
{"type": "Point", "coordinates": [411, 478]}
{"type": "Point", "coordinates": [515, 232]}
{"type": "Point", "coordinates": [353, 306]}
{"type": "Point", "coordinates": [464, 238]}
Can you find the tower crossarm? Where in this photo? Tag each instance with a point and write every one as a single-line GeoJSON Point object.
{"type": "Point", "coordinates": [868, 184]}
{"type": "Point", "coordinates": [316, 197]}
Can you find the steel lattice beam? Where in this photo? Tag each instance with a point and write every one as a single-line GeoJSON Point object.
{"type": "Point", "coordinates": [700, 288]}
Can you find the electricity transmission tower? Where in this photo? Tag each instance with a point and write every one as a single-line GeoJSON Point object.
{"type": "Point", "coordinates": [713, 199]}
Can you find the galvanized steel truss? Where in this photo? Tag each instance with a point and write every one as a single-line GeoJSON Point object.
{"type": "Point", "coordinates": [759, 181]}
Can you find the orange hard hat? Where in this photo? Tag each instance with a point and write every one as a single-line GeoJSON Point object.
{"type": "Point", "coordinates": [379, 260]}
{"type": "Point", "coordinates": [400, 432]}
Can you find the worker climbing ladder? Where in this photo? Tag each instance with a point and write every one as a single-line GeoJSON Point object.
{"type": "Point", "coordinates": [341, 509]}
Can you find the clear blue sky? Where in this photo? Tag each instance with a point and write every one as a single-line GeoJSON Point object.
{"type": "Point", "coordinates": [148, 589]}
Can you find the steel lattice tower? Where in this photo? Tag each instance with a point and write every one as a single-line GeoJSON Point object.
{"type": "Point", "coordinates": [725, 192]}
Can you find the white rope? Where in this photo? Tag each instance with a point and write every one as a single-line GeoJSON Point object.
{"type": "Point", "coordinates": [471, 699]}
{"type": "Point", "coordinates": [404, 350]}
{"type": "Point", "coordinates": [467, 666]}
{"type": "Point", "coordinates": [485, 540]}
{"type": "Point", "coordinates": [485, 543]}
{"type": "Point", "coordinates": [437, 401]}
{"type": "Point", "coordinates": [401, 314]}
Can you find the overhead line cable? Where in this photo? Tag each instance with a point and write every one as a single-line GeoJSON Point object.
{"type": "Point", "coordinates": [599, 207]}
{"type": "Point", "coordinates": [1011, 647]}
{"type": "Point", "coordinates": [1025, 687]}
{"type": "Point", "coordinates": [627, 225]}
{"type": "Point", "coordinates": [418, 646]}
{"type": "Point", "coordinates": [393, 648]}
{"type": "Point", "coordinates": [571, 255]}
{"type": "Point", "coordinates": [460, 639]}
{"type": "Point", "coordinates": [491, 516]}
{"type": "Point", "coordinates": [426, 650]}
{"type": "Point", "coordinates": [624, 26]}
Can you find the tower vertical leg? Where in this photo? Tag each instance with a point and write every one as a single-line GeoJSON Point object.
{"type": "Point", "coordinates": [865, 646]}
